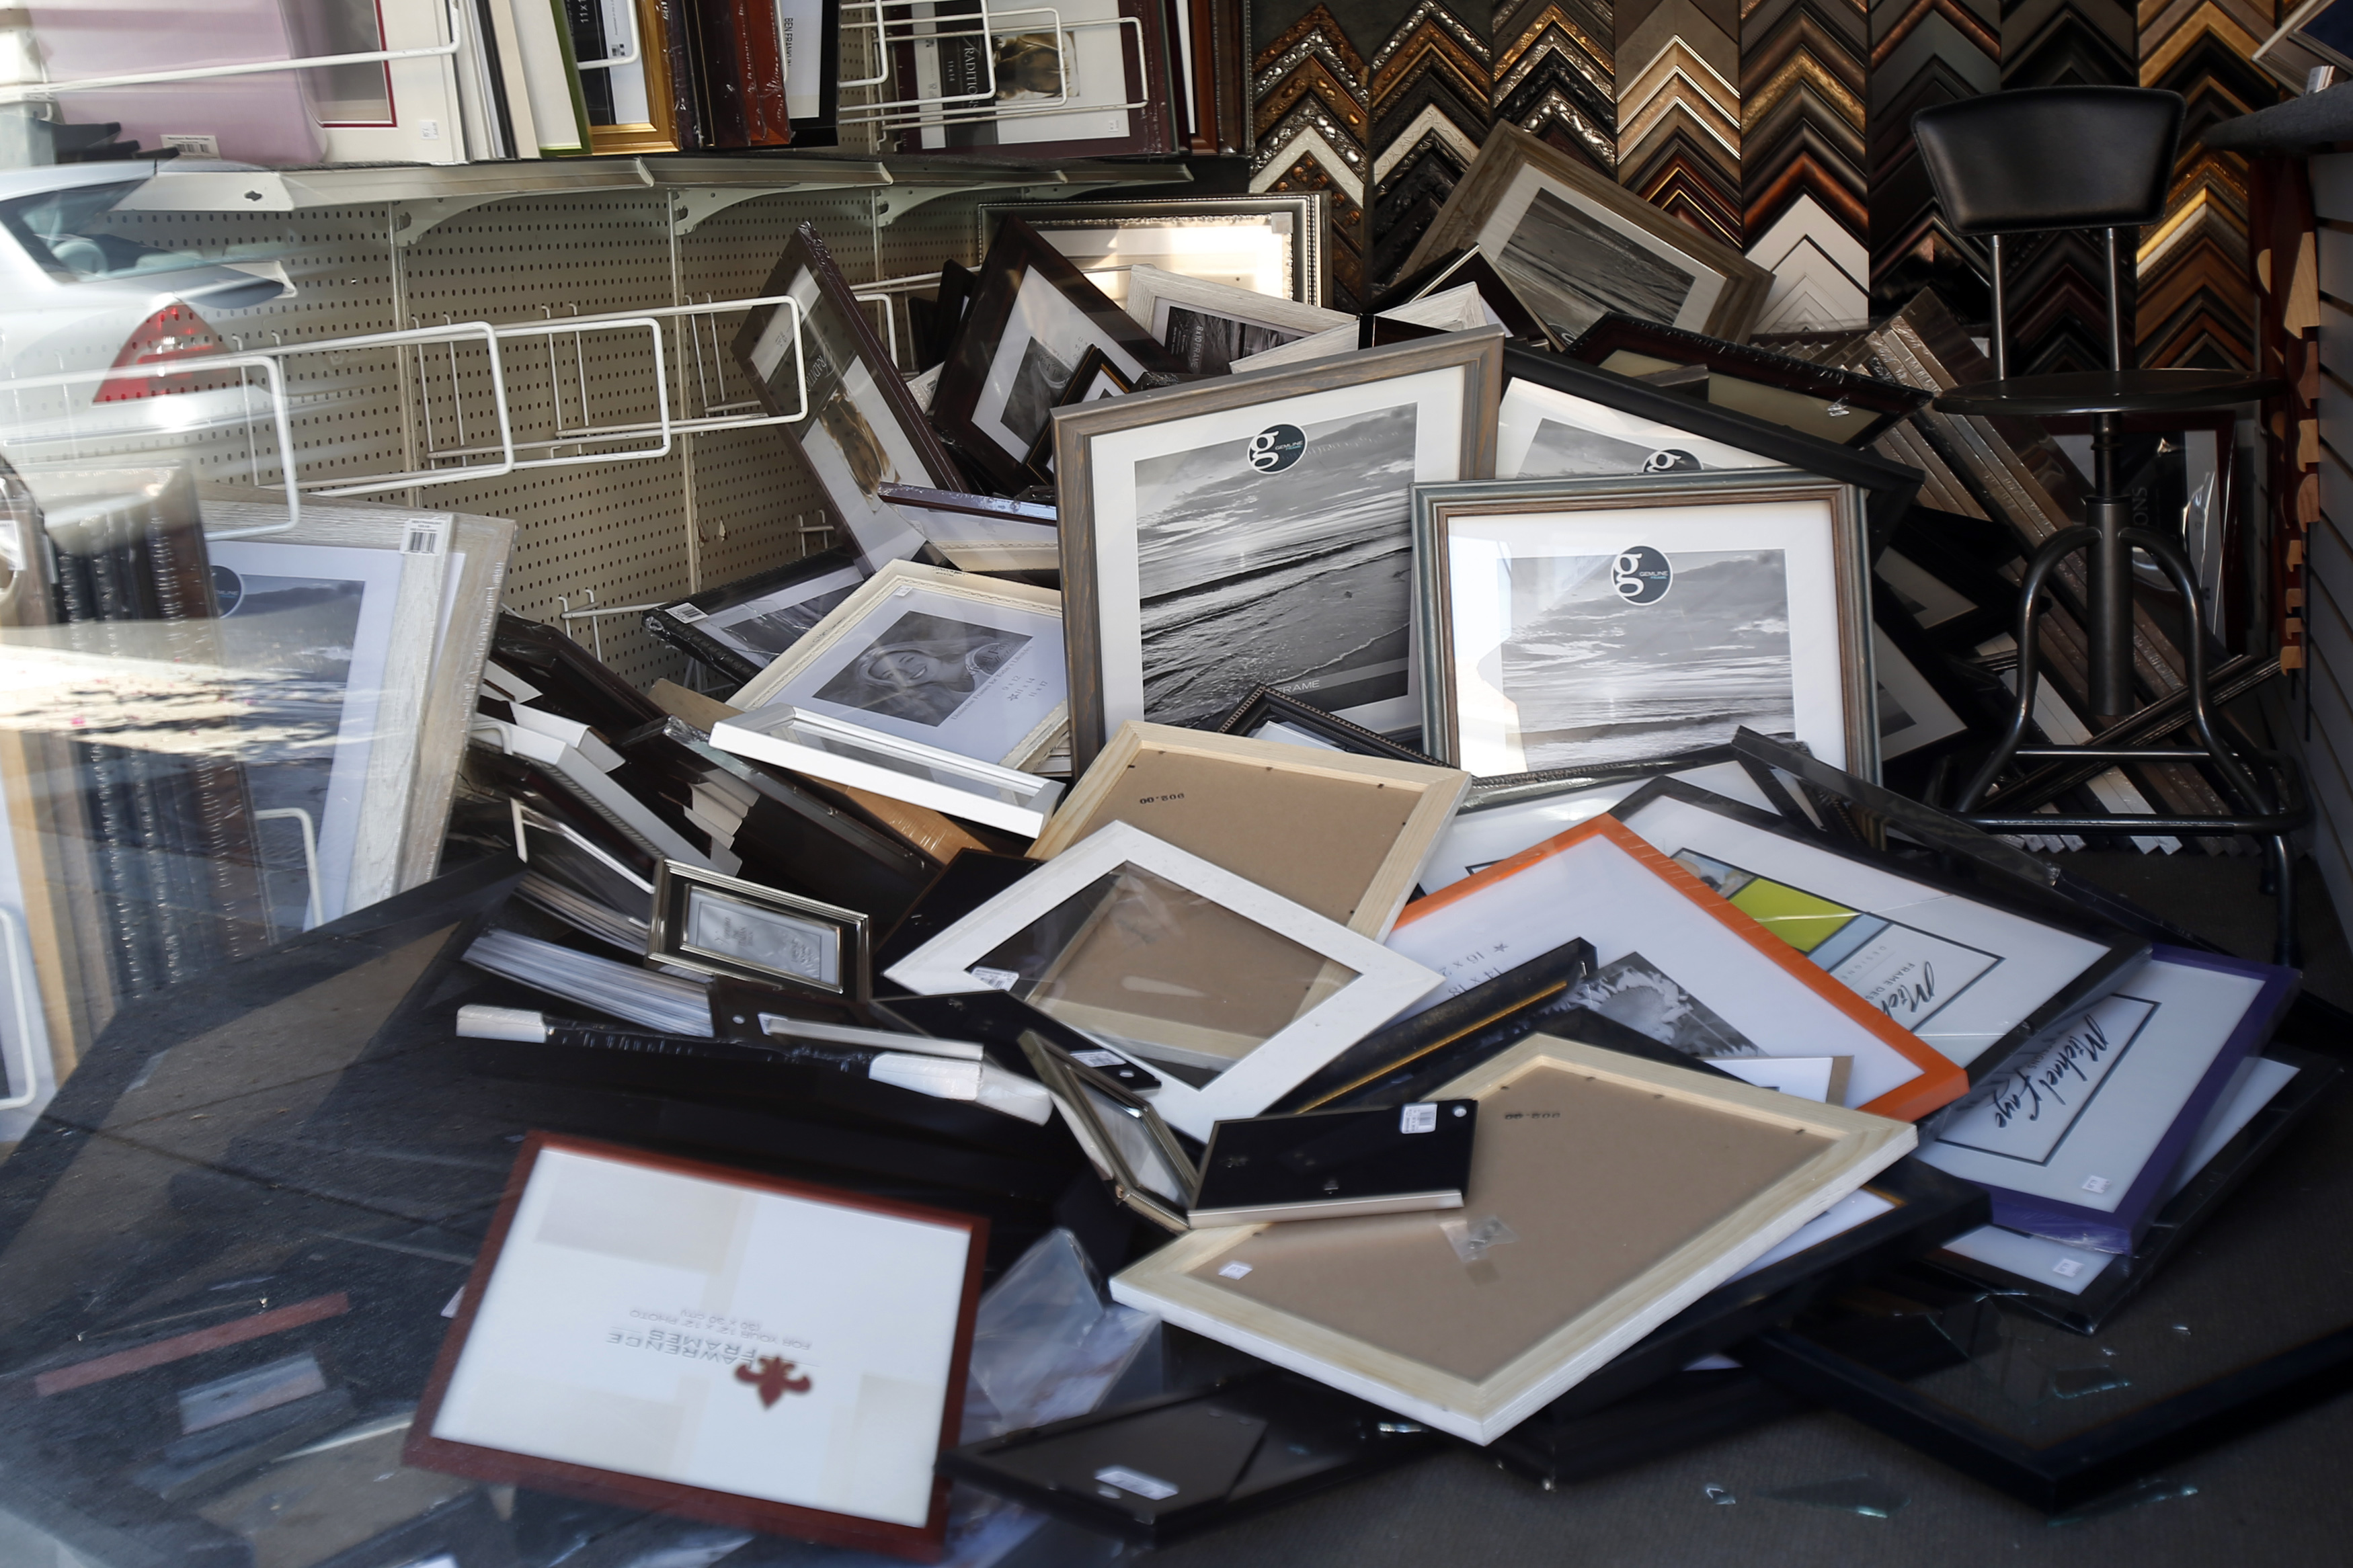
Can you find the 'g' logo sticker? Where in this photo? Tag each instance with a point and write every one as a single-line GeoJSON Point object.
{"type": "Point", "coordinates": [1276, 447]}
{"type": "Point", "coordinates": [1641, 575]}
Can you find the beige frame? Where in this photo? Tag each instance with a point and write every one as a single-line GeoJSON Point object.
{"type": "Point", "coordinates": [1508, 150]}
{"type": "Point", "coordinates": [1862, 1145]}
{"type": "Point", "coordinates": [1101, 795]}
{"type": "Point", "coordinates": [851, 614]}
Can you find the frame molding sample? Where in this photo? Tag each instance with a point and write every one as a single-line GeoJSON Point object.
{"type": "Point", "coordinates": [1472, 1324]}
{"type": "Point", "coordinates": [678, 938]}
{"type": "Point", "coordinates": [1655, 926]}
{"type": "Point", "coordinates": [945, 653]}
{"type": "Point", "coordinates": [1589, 228]}
{"type": "Point", "coordinates": [593, 1345]}
{"type": "Point", "coordinates": [1362, 984]}
{"type": "Point", "coordinates": [1272, 493]}
{"type": "Point", "coordinates": [1298, 821]}
{"type": "Point", "coordinates": [1721, 524]}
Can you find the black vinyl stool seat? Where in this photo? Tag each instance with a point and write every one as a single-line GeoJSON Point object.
{"type": "Point", "coordinates": [2083, 158]}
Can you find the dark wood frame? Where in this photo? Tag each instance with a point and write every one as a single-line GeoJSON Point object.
{"type": "Point", "coordinates": [1039, 465]}
{"type": "Point", "coordinates": [425, 1451]}
{"type": "Point", "coordinates": [667, 943]}
{"type": "Point", "coordinates": [1509, 149]}
{"type": "Point", "coordinates": [1266, 704]}
{"type": "Point", "coordinates": [2122, 948]}
{"type": "Point", "coordinates": [1477, 355]}
{"type": "Point", "coordinates": [1017, 251]}
{"type": "Point", "coordinates": [805, 252]}
{"type": "Point", "coordinates": [1887, 401]}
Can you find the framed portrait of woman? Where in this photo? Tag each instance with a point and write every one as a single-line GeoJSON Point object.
{"type": "Point", "coordinates": [967, 664]}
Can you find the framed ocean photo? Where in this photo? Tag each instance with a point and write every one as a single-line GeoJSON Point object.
{"type": "Point", "coordinates": [1256, 529]}
{"type": "Point", "coordinates": [1584, 622]}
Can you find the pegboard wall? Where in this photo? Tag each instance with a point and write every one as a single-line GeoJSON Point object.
{"type": "Point", "coordinates": [719, 507]}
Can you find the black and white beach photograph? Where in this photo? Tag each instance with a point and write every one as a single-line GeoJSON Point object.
{"type": "Point", "coordinates": [1299, 578]}
{"type": "Point", "coordinates": [923, 669]}
{"type": "Point", "coordinates": [1209, 345]}
{"type": "Point", "coordinates": [1573, 269]}
{"type": "Point", "coordinates": [1596, 678]}
{"type": "Point", "coordinates": [1570, 451]}
{"type": "Point", "coordinates": [766, 628]}
{"type": "Point", "coordinates": [1636, 992]}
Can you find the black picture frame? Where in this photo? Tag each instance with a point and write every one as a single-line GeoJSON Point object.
{"type": "Point", "coordinates": [1093, 369]}
{"type": "Point", "coordinates": [1070, 1081]}
{"type": "Point", "coordinates": [995, 1021]}
{"type": "Point", "coordinates": [823, 128]}
{"type": "Point", "coordinates": [1469, 265]}
{"type": "Point", "coordinates": [1017, 252]}
{"type": "Point", "coordinates": [1885, 401]}
{"type": "Point", "coordinates": [676, 941]}
{"type": "Point", "coordinates": [1410, 1058]}
{"type": "Point", "coordinates": [1313, 1436]}
{"type": "Point", "coordinates": [1266, 705]}
{"type": "Point", "coordinates": [838, 437]}
{"type": "Point", "coordinates": [679, 625]}
{"type": "Point", "coordinates": [2120, 948]}
{"type": "Point", "coordinates": [2177, 1221]}
{"type": "Point", "coordinates": [1930, 1207]}
{"type": "Point", "coordinates": [1888, 487]}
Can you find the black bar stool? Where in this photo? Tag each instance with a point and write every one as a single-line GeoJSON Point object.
{"type": "Point", "coordinates": [2081, 158]}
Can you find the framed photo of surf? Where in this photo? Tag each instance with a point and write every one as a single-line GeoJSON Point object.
{"type": "Point", "coordinates": [724, 1344]}
{"type": "Point", "coordinates": [1676, 962]}
{"type": "Point", "coordinates": [1256, 529]}
{"type": "Point", "coordinates": [968, 664]}
{"type": "Point", "coordinates": [1575, 246]}
{"type": "Point", "coordinates": [2075, 1136]}
{"type": "Point", "coordinates": [1248, 991]}
{"type": "Point", "coordinates": [862, 428]}
{"type": "Point", "coordinates": [1962, 970]}
{"type": "Point", "coordinates": [1571, 623]}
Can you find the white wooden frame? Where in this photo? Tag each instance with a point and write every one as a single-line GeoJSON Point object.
{"type": "Point", "coordinates": [871, 603]}
{"type": "Point", "coordinates": [1385, 981]}
{"type": "Point", "coordinates": [1150, 288]}
{"type": "Point", "coordinates": [1441, 791]}
{"type": "Point", "coordinates": [868, 760]}
{"type": "Point", "coordinates": [1168, 1282]}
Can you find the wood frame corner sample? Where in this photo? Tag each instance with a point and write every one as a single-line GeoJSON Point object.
{"type": "Point", "coordinates": [1307, 843]}
{"type": "Point", "coordinates": [1482, 1315]}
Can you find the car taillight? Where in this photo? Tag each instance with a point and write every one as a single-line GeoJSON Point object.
{"type": "Point", "coordinates": [174, 332]}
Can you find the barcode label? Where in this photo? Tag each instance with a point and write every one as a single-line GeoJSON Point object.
{"type": "Point", "coordinates": [424, 537]}
{"type": "Point", "coordinates": [1418, 1119]}
{"type": "Point", "coordinates": [1098, 1059]}
{"type": "Point", "coordinates": [1137, 1481]}
{"type": "Point", "coordinates": [996, 979]}
{"type": "Point", "coordinates": [2067, 1268]}
{"type": "Point", "coordinates": [686, 612]}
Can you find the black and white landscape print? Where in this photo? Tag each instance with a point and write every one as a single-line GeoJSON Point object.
{"type": "Point", "coordinates": [1597, 679]}
{"type": "Point", "coordinates": [1572, 269]}
{"type": "Point", "coordinates": [1209, 345]}
{"type": "Point", "coordinates": [1299, 579]}
{"type": "Point", "coordinates": [1636, 992]}
{"type": "Point", "coordinates": [1562, 450]}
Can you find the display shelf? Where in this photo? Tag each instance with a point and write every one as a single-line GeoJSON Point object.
{"type": "Point", "coordinates": [427, 194]}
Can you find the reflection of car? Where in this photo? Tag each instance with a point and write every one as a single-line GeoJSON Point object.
{"type": "Point", "coordinates": [78, 295]}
